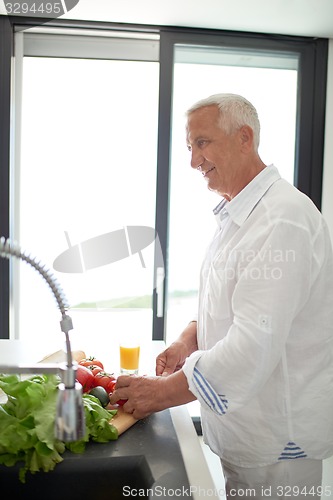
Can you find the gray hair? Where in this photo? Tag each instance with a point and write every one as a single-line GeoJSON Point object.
{"type": "Point", "coordinates": [235, 111]}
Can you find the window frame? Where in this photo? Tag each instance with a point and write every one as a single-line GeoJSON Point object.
{"type": "Point", "coordinates": [310, 119]}
{"type": "Point", "coordinates": [312, 53]}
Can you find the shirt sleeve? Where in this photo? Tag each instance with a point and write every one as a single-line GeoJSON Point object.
{"type": "Point", "coordinates": [267, 295]}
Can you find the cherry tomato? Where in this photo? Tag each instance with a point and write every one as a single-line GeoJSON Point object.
{"type": "Point", "coordinates": [106, 380]}
{"type": "Point", "coordinates": [85, 377]}
{"type": "Point", "coordinates": [91, 361]}
{"type": "Point", "coordinates": [95, 369]}
{"type": "Point", "coordinates": [120, 402]}
{"type": "Point", "coordinates": [111, 386]}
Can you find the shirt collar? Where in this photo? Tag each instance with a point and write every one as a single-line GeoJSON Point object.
{"type": "Point", "coordinates": [240, 207]}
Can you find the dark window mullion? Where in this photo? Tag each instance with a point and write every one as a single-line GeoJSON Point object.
{"type": "Point", "coordinates": [311, 120]}
{"type": "Point", "coordinates": [6, 48]}
{"type": "Point", "coordinates": [163, 168]}
{"type": "Point", "coordinates": [318, 131]}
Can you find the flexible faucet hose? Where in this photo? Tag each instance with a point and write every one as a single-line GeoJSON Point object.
{"type": "Point", "coordinates": [9, 249]}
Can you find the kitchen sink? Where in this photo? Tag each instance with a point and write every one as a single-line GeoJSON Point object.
{"type": "Point", "coordinates": [109, 478]}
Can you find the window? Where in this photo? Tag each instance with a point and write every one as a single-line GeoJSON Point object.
{"type": "Point", "coordinates": [96, 146]}
{"type": "Point", "coordinates": [88, 177]}
{"type": "Point", "coordinates": [269, 81]}
{"type": "Point", "coordinates": [198, 63]}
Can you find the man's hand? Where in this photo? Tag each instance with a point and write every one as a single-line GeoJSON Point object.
{"type": "Point", "coordinates": [143, 394]}
{"type": "Point", "coordinates": [146, 395]}
{"type": "Point", "coordinates": [173, 358]}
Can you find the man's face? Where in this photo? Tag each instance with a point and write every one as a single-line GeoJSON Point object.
{"type": "Point", "coordinates": [214, 153]}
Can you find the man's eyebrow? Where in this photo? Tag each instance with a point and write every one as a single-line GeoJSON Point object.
{"type": "Point", "coordinates": [198, 138]}
{"type": "Point", "coordinates": [202, 139]}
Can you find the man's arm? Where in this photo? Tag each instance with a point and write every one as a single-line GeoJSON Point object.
{"type": "Point", "coordinates": [173, 358]}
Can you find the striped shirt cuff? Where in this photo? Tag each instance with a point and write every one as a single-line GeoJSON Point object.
{"type": "Point", "coordinates": [202, 388]}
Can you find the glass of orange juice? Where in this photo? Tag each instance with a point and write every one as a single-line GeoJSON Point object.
{"type": "Point", "coordinates": [129, 357]}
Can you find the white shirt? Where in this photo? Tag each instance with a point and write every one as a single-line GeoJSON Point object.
{"type": "Point", "coordinates": [264, 369]}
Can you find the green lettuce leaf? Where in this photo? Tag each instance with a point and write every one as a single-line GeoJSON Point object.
{"type": "Point", "coordinates": [27, 421]}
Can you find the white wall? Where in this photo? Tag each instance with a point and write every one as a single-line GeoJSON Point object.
{"type": "Point", "coordinates": [327, 192]}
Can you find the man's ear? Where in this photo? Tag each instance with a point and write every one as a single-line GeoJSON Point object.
{"type": "Point", "coordinates": [246, 137]}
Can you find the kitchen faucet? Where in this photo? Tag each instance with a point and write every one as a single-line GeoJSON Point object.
{"type": "Point", "coordinates": [69, 420]}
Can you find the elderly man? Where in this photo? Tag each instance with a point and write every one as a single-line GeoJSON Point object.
{"type": "Point", "coordinates": [259, 356]}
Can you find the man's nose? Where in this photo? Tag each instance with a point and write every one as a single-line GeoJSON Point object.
{"type": "Point", "coordinates": [196, 159]}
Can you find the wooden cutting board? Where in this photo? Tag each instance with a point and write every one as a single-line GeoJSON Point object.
{"type": "Point", "coordinates": [122, 420]}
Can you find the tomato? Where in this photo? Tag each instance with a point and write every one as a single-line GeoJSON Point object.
{"type": "Point", "coordinates": [85, 377]}
{"type": "Point", "coordinates": [95, 369]}
{"type": "Point", "coordinates": [106, 380]}
{"type": "Point", "coordinates": [121, 402]}
{"type": "Point", "coordinates": [91, 361]}
{"type": "Point", "coordinates": [111, 386]}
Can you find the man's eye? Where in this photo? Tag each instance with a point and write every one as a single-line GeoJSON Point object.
{"type": "Point", "coordinates": [201, 143]}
